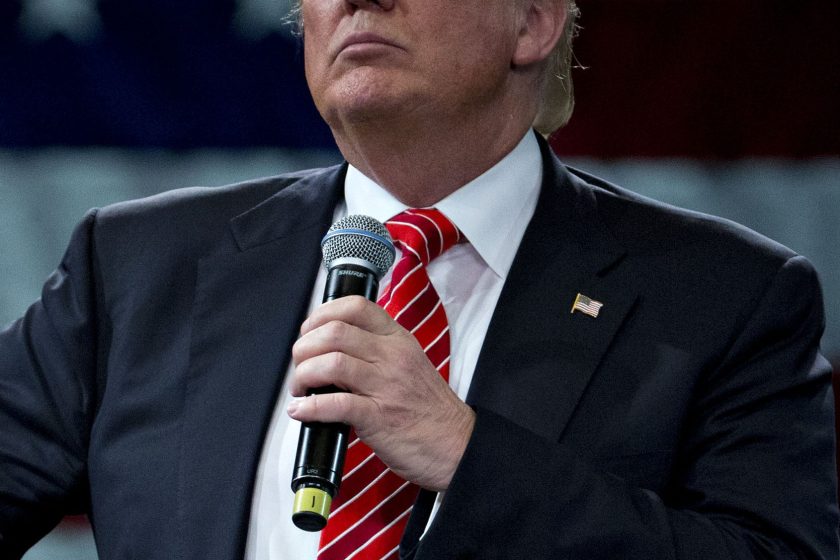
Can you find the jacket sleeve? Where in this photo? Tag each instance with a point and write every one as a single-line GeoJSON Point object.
{"type": "Point", "coordinates": [754, 477]}
{"type": "Point", "coordinates": [48, 364]}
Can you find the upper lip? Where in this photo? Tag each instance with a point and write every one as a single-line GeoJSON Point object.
{"type": "Point", "coordinates": [365, 37]}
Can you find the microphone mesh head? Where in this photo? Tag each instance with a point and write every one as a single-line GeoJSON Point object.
{"type": "Point", "coordinates": [359, 237]}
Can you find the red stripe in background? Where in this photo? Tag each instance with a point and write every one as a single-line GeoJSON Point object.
{"type": "Point", "coordinates": [717, 79]}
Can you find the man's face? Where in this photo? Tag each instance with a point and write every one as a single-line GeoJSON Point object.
{"type": "Point", "coordinates": [372, 60]}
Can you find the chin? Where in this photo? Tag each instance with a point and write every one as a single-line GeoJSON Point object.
{"type": "Point", "coordinates": [369, 93]}
{"type": "Point", "coordinates": [365, 106]}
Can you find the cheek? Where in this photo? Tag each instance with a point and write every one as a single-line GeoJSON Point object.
{"type": "Point", "coordinates": [310, 67]}
{"type": "Point", "coordinates": [474, 44]}
{"type": "Point", "coordinates": [317, 28]}
{"type": "Point", "coordinates": [314, 54]}
{"type": "Point", "coordinates": [476, 62]}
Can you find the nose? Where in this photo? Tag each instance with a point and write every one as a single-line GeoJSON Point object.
{"type": "Point", "coordinates": [381, 4]}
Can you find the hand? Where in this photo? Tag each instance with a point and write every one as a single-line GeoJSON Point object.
{"type": "Point", "coordinates": [397, 402]}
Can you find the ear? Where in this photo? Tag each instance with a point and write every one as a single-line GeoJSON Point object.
{"type": "Point", "coordinates": [542, 26]}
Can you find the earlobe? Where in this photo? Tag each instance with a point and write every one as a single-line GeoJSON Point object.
{"type": "Point", "coordinates": [542, 27]}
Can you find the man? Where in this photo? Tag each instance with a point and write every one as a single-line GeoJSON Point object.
{"type": "Point", "coordinates": [681, 410]}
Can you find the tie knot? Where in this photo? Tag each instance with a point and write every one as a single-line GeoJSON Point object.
{"type": "Point", "coordinates": [426, 232]}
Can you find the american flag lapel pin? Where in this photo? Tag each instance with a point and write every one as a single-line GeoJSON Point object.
{"type": "Point", "coordinates": [587, 306]}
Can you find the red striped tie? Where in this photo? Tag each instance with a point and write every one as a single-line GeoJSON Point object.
{"type": "Point", "coordinates": [372, 508]}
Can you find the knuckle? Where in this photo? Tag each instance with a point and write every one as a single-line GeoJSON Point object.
{"type": "Point", "coordinates": [337, 362]}
{"type": "Point", "coordinates": [330, 407]}
{"type": "Point", "coordinates": [314, 403]}
{"type": "Point", "coordinates": [336, 402]}
{"type": "Point", "coordinates": [356, 304]}
{"type": "Point", "coordinates": [335, 331]}
{"type": "Point", "coordinates": [298, 386]}
{"type": "Point", "coordinates": [295, 390]}
{"type": "Point", "coordinates": [297, 351]}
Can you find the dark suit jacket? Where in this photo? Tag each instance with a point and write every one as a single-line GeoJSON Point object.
{"type": "Point", "coordinates": [691, 419]}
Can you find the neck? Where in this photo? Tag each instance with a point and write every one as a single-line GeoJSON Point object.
{"type": "Point", "coordinates": [420, 163]}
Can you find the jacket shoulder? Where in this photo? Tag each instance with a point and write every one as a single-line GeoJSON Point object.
{"type": "Point", "coordinates": [646, 226]}
{"type": "Point", "coordinates": [706, 273]}
{"type": "Point", "coordinates": [191, 217]}
{"type": "Point", "coordinates": [168, 231]}
{"type": "Point", "coordinates": [201, 203]}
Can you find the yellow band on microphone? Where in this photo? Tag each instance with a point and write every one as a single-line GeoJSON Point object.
{"type": "Point", "coordinates": [311, 508]}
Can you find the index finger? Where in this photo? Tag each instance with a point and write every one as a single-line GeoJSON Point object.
{"type": "Point", "coordinates": [353, 310]}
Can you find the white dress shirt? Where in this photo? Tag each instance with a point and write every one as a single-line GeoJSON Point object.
{"type": "Point", "coordinates": [492, 212]}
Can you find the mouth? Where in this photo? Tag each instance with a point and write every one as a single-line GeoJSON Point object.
{"type": "Point", "coordinates": [363, 42]}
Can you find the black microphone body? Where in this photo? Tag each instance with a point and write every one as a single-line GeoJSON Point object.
{"type": "Point", "coordinates": [319, 462]}
{"type": "Point", "coordinates": [322, 447]}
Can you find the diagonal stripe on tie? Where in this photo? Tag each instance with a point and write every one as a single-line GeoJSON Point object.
{"type": "Point", "coordinates": [385, 484]}
{"type": "Point", "coordinates": [371, 522]}
{"type": "Point", "coordinates": [373, 505]}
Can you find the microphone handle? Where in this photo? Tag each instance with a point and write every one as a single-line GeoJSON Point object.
{"type": "Point", "coordinates": [319, 462]}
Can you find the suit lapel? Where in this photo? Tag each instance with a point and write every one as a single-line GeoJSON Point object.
{"type": "Point", "coordinates": [538, 357]}
{"type": "Point", "coordinates": [251, 296]}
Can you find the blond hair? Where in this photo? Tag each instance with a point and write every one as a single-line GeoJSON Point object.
{"type": "Point", "coordinates": [557, 95]}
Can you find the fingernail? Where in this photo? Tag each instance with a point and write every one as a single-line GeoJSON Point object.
{"type": "Point", "coordinates": [293, 407]}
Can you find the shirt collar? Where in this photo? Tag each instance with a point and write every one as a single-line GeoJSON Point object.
{"type": "Point", "coordinates": [492, 210]}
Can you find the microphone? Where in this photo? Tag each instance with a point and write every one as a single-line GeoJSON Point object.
{"type": "Point", "coordinates": [357, 253]}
